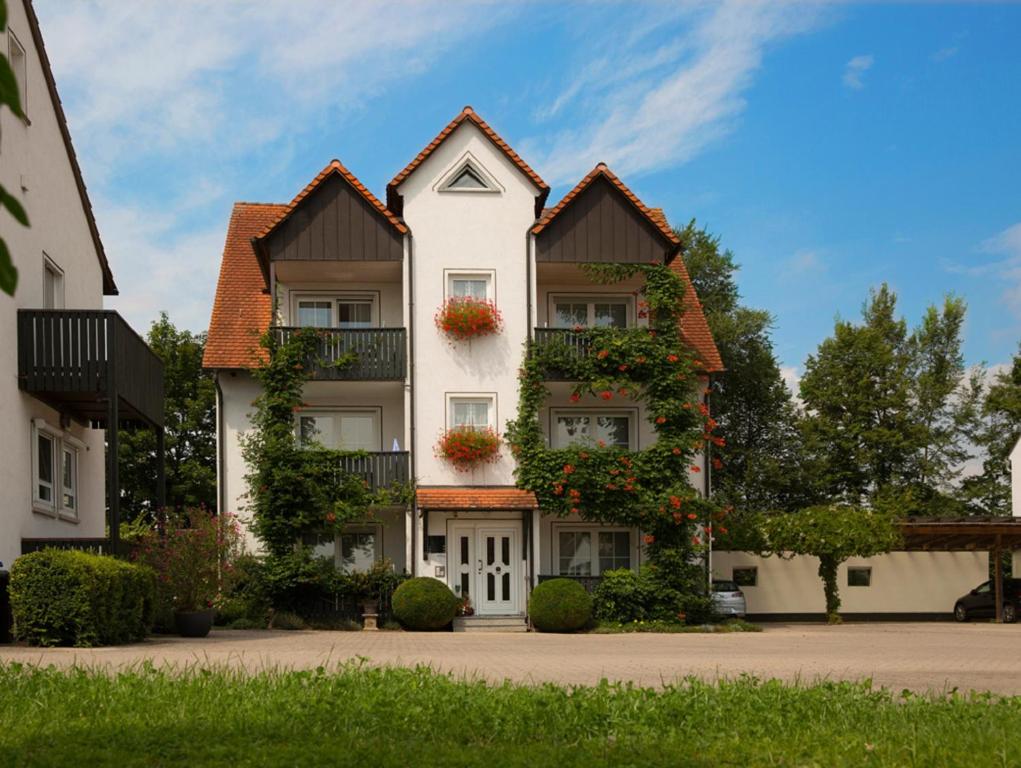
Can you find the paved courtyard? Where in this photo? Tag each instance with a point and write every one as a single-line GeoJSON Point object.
{"type": "Point", "coordinates": [916, 656]}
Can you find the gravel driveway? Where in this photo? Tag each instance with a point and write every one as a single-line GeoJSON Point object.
{"type": "Point", "coordinates": [917, 656]}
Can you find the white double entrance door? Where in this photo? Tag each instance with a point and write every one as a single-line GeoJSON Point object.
{"type": "Point", "coordinates": [487, 565]}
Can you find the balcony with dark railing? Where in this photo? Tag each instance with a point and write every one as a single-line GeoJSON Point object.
{"type": "Point", "coordinates": [568, 344]}
{"type": "Point", "coordinates": [77, 360]}
{"type": "Point", "coordinates": [380, 469]}
{"type": "Point", "coordinates": [356, 354]}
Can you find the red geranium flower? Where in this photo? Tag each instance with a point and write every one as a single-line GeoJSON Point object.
{"type": "Point", "coordinates": [672, 358]}
{"type": "Point", "coordinates": [575, 397]}
{"type": "Point", "coordinates": [648, 538]}
{"type": "Point", "coordinates": [603, 354]}
{"type": "Point", "coordinates": [661, 419]}
{"type": "Point", "coordinates": [606, 394]}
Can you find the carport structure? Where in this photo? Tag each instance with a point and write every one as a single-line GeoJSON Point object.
{"type": "Point", "coordinates": [995, 535]}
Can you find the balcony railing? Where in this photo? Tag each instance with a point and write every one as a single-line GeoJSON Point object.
{"type": "Point", "coordinates": [571, 345]}
{"type": "Point", "coordinates": [379, 354]}
{"type": "Point", "coordinates": [78, 358]}
{"type": "Point", "coordinates": [379, 469]}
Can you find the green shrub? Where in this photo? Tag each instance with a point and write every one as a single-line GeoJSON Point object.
{"type": "Point", "coordinates": [623, 596]}
{"type": "Point", "coordinates": [63, 597]}
{"type": "Point", "coordinates": [559, 605]}
{"type": "Point", "coordinates": [423, 603]}
{"type": "Point", "coordinates": [244, 623]}
{"type": "Point", "coordinates": [287, 620]}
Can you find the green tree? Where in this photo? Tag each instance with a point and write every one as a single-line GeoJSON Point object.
{"type": "Point", "coordinates": [832, 533]}
{"type": "Point", "coordinates": [887, 409]}
{"type": "Point", "coordinates": [10, 96]}
{"type": "Point", "coordinates": [751, 402]}
{"type": "Point", "coordinates": [190, 431]}
{"type": "Point", "coordinates": [996, 431]}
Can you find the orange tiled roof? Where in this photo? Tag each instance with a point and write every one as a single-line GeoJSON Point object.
{"type": "Point", "coordinates": [601, 169]}
{"type": "Point", "coordinates": [694, 327]}
{"type": "Point", "coordinates": [471, 115]}
{"type": "Point", "coordinates": [455, 497]}
{"type": "Point", "coordinates": [241, 309]}
{"type": "Point", "coordinates": [337, 167]}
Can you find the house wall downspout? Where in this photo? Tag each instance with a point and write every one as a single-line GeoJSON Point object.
{"type": "Point", "coordinates": [707, 487]}
{"type": "Point", "coordinates": [411, 398]}
{"type": "Point", "coordinates": [528, 283]}
{"type": "Point", "coordinates": [221, 477]}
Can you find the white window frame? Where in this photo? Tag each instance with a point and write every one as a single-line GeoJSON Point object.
{"type": "Point", "coordinates": [471, 397]}
{"type": "Point", "coordinates": [376, 413]}
{"type": "Point", "coordinates": [360, 528]}
{"type": "Point", "coordinates": [468, 160]}
{"type": "Point", "coordinates": [593, 531]}
{"type": "Point", "coordinates": [21, 78]}
{"type": "Point", "coordinates": [335, 298]}
{"type": "Point", "coordinates": [57, 297]}
{"type": "Point", "coordinates": [591, 299]}
{"type": "Point", "coordinates": [488, 275]}
{"type": "Point", "coordinates": [62, 441]}
{"type": "Point", "coordinates": [630, 413]}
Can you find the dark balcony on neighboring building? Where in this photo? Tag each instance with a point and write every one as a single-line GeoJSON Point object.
{"type": "Point", "coordinates": [91, 366]}
{"type": "Point", "coordinates": [380, 469]}
{"type": "Point", "coordinates": [356, 354]}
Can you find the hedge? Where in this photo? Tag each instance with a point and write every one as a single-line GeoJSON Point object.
{"type": "Point", "coordinates": [64, 597]}
{"type": "Point", "coordinates": [424, 603]}
{"type": "Point", "coordinates": [559, 605]}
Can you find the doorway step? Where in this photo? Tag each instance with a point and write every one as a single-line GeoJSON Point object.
{"type": "Point", "coordinates": [514, 623]}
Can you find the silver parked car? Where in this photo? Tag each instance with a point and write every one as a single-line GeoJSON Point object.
{"type": "Point", "coordinates": [728, 599]}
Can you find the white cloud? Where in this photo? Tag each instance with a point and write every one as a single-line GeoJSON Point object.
{"type": "Point", "coordinates": [855, 69]}
{"type": "Point", "coordinates": [647, 107]}
{"type": "Point", "coordinates": [180, 93]}
{"type": "Point", "coordinates": [945, 53]}
{"type": "Point", "coordinates": [805, 261]}
{"type": "Point", "coordinates": [792, 378]}
{"type": "Point", "coordinates": [1008, 269]}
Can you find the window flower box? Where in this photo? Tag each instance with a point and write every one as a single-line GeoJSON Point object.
{"type": "Point", "coordinates": [468, 447]}
{"type": "Point", "coordinates": [463, 318]}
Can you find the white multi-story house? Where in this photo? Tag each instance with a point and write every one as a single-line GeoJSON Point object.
{"type": "Point", "coordinates": [68, 366]}
{"type": "Point", "coordinates": [467, 217]}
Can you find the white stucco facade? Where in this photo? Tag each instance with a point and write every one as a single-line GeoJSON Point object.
{"type": "Point", "coordinates": [35, 168]}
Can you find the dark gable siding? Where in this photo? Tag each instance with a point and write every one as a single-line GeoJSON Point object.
{"type": "Point", "coordinates": [335, 223]}
{"type": "Point", "coordinates": [600, 225]}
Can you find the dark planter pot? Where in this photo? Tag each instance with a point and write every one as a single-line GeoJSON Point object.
{"type": "Point", "coordinates": [370, 606]}
{"type": "Point", "coordinates": [194, 623]}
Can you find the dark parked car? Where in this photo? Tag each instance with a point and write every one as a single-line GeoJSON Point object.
{"type": "Point", "coordinates": [980, 603]}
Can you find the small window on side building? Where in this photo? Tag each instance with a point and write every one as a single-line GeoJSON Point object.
{"type": "Point", "coordinates": [746, 577]}
{"type": "Point", "coordinates": [859, 577]}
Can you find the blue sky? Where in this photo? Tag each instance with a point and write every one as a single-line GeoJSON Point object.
{"type": "Point", "coordinates": [832, 147]}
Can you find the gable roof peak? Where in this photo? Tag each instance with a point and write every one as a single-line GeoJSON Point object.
{"type": "Point", "coordinates": [602, 170]}
{"type": "Point", "coordinates": [467, 114]}
{"type": "Point", "coordinates": [334, 167]}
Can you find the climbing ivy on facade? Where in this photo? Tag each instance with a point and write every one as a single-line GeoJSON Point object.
{"type": "Point", "coordinates": [649, 489]}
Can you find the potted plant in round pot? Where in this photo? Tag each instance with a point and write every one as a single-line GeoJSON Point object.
{"type": "Point", "coordinates": [189, 554]}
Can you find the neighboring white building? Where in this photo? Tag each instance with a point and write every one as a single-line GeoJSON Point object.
{"type": "Point", "coordinates": [55, 379]}
{"type": "Point", "coordinates": [466, 216]}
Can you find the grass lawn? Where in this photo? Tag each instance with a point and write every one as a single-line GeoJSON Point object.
{"type": "Point", "coordinates": [398, 717]}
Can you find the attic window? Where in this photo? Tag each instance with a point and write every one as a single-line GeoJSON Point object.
{"type": "Point", "coordinates": [468, 175]}
{"type": "Point", "coordinates": [467, 179]}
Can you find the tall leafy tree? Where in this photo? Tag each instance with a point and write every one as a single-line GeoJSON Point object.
{"type": "Point", "coordinates": [751, 402]}
{"type": "Point", "coordinates": [887, 408]}
{"type": "Point", "coordinates": [996, 431]}
{"type": "Point", "coordinates": [190, 440]}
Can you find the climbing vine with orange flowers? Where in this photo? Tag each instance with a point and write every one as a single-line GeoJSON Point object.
{"type": "Point", "coordinates": [650, 488]}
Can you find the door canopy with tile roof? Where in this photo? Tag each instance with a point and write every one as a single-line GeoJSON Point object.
{"type": "Point", "coordinates": [469, 115]}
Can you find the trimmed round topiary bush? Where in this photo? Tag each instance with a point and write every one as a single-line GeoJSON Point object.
{"type": "Point", "coordinates": [559, 605]}
{"type": "Point", "coordinates": [423, 603]}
